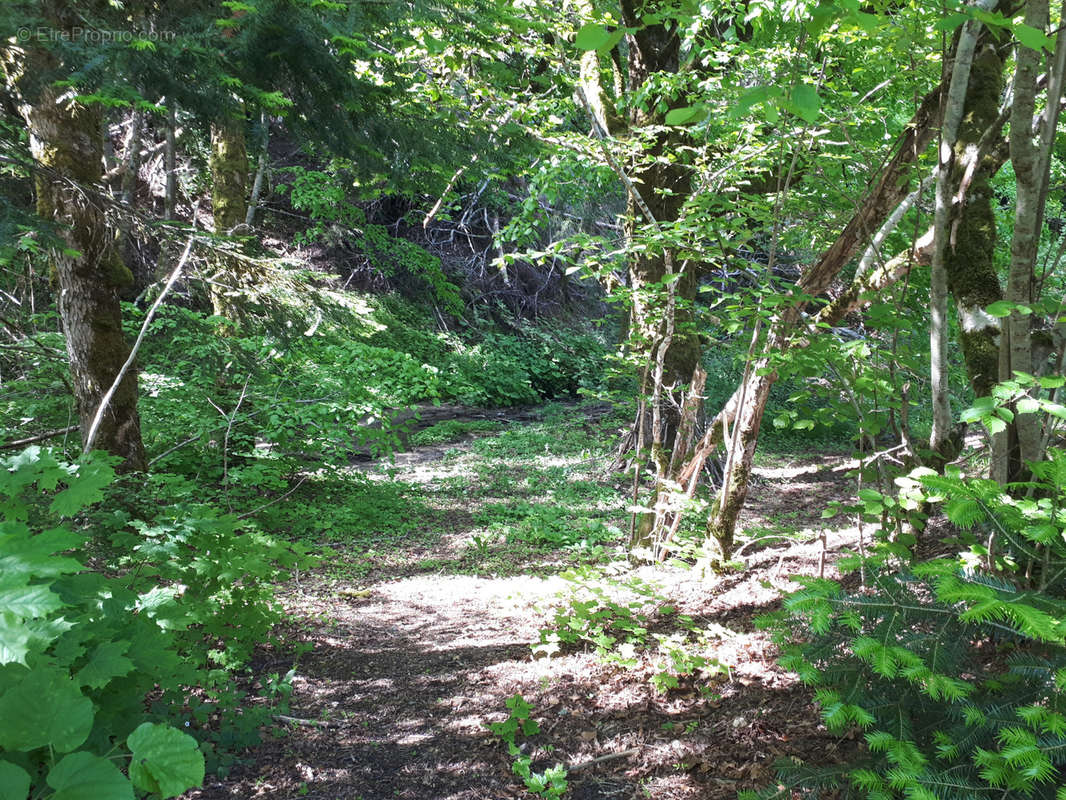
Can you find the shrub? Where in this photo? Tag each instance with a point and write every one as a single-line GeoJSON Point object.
{"type": "Point", "coordinates": [954, 669]}
{"type": "Point", "coordinates": [93, 622]}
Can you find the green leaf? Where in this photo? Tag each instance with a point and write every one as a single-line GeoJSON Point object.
{"type": "Point", "coordinates": [1033, 38]}
{"type": "Point", "coordinates": [85, 488]}
{"type": "Point", "coordinates": [1027, 405]}
{"type": "Point", "coordinates": [107, 661]}
{"type": "Point", "coordinates": [805, 102]}
{"type": "Point", "coordinates": [684, 116]}
{"type": "Point", "coordinates": [999, 309]}
{"type": "Point", "coordinates": [14, 782]}
{"type": "Point", "coordinates": [15, 640]}
{"type": "Point", "coordinates": [83, 776]}
{"type": "Point", "coordinates": [591, 37]}
{"type": "Point", "coordinates": [44, 709]}
{"type": "Point", "coordinates": [165, 760]}
{"type": "Point", "coordinates": [950, 22]}
{"type": "Point", "coordinates": [612, 40]}
{"type": "Point", "coordinates": [748, 100]}
{"type": "Point", "coordinates": [30, 601]}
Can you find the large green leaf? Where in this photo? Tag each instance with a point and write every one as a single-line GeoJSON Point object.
{"type": "Point", "coordinates": [83, 776]}
{"type": "Point", "coordinates": [684, 116]}
{"type": "Point", "coordinates": [591, 37]}
{"type": "Point", "coordinates": [107, 661]}
{"type": "Point", "coordinates": [44, 709]}
{"type": "Point", "coordinates": [805, 102]}
{"type": "Point", "coordinates": [29, 601]}
{"type": "Point", "coordinates": [14, 782]}
{"type": "Point", "coordinates": [86, 488]}
{"type": "Point", "coordinates": [15, 639]}
{"type": "Point", "coordinates": [1033, 38]}
{"type": "Point", "coordinates": [165, 760]}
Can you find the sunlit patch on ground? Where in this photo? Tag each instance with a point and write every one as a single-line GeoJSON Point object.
{"type": "Point", "coordinates": [420, 636]}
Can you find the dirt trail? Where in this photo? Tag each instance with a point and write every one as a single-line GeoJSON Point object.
{"type": "Point", "coordinates": [407, 669]}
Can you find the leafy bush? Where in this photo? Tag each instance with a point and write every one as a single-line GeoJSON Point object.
{"type": "Point", "coordinates": [79, 651]}
{"type": "Point", "coordinates": [324, 198]}
{"type": "Point", "coordinates": [615, 616]}
{"type": "Point", "coordinates": [552, 782]}
{"type": "Point", "coordinates": [96, 620]}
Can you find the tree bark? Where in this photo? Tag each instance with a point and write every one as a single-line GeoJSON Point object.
{"type": "Point", "coordinates": [229, 179]}
{"type": "Point", "coordinates": [954, 103]}
{"type": "Point", "coordinates": [1031, 160]}
{"type": "Point", "coordinates": [745, 408]}
{"type": "Point", "coordinates": [66, 142]}
{"type": "Point", "coordinates": [170, 194]}
{"type": "Point", "coordinates": [969, 259]}
{"type": "Point", "coordinates": [664, 185]}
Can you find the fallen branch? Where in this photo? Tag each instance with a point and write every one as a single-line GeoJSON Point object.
{"type": "Point", "coordinates": [310, 723]}
{"type": "Point", "coordinates": [40, 437]}
{"type": "Point", "coordinates": [608, 757]}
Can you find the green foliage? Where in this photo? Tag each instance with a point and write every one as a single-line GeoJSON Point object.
{"type": "Point", "coordinates": [80, 649]}
{"type": "Point", "coordinates": [1021, 395]}
{"type": "Point", "coordinates": [181, 603]}
{"type": "Point", "coordinates": [323, 197]}
{"type": "Point", "coordinates": [450, 431]}
{"type": "Point", "coordinates": [954, 669]}
{"type": "Point", "coordinates": [614, 616]}
{"type": "Point", "coordinates": [548, 784]}
{"type": "Point", "coordinates": [546, 525]}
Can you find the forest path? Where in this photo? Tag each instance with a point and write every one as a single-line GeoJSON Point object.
{"type": "Point", "coordinates": [419, 639]}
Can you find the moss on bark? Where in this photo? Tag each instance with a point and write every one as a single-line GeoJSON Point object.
{"type": "Point", "coordinates": [65, 139]}
{"type": "Point", "coordinates": [969, 260]}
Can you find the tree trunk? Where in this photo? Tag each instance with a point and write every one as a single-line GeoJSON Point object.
{"type": "Point", "coordinates": [132, 157]}
{"type": "Point", "coordinates": [65, 139]}
{"type": "Point", "coordinates": [954, 106]}
{"type": "Point", "coordinates": [170, 195]}
{"type": "Point", "coordinates": [664, 184]}
{"type": "Point", "coordinates": [229, 179]}
{"type": "Point", "coordinates": [969, 259]}
{"type": "Point", "coordinates": [748, 402]}
{"type": "Point", "coordinates": [260, 172]}
{"type": "Point", "coordinates": [1031, 160]}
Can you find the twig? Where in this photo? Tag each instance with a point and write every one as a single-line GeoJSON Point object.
{"type": "Point", "coordinates": [313, 723]}
{"type": "Point", "coordinates": [275, 500]}
{"type": "Point", "coordinates": [609, 756]}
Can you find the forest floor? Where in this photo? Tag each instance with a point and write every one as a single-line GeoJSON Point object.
{"type": "Point", "coordinates": [446, 565]}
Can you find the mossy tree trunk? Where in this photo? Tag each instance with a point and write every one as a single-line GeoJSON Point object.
{"type": "Point", "coordinates": [229, 181]}
{"type": "Point", "coordinates": [664, 184]}
{"type": "Point", "coordinates": [66, 142]}
{"type": "Point", "coordinates": [955, 145]}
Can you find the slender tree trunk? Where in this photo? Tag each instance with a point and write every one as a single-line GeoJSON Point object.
{"type": "Point", "coordinates": [229, 179]}
{"type": "Point", "coordinates": [260, 172]}
{"type": "Point", "coordinates": [748, 403]}
{"type": "Point", "coordinates": [938, 291]}
{"type": "Point", "coordinates": [1031, 160]}
{"type": "Point", "coordinates": [66, 142]}
{"type": "Point", "coordinates": [132, 156]}
{"type": "Point", "coordinates": [170, 194]}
